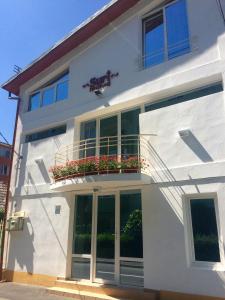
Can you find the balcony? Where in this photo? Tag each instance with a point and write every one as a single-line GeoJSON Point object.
{"type": "Point", "coordinates": [106, 161]}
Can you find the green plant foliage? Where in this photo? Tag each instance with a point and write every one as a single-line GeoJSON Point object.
{"type": "Point", "coordinates": [134, 223]}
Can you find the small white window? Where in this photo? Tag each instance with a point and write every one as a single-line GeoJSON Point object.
{"type": "Point", "coordinates": [203, 237]}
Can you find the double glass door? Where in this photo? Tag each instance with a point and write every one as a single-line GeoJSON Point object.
{"type": "Point", "coordinates": [117, 135]}
{"type": "Point", "coordinates": [107, 244]}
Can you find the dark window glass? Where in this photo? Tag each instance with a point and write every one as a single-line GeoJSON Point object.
{"type": "Point", "coordinates": [48, 97]}
{"type": "Point", "coordinates": [87, 137]}
{"type": "Point", "coordinates": [195, 94]}
{"type": "Point", "coordinates": [62, 91]}
{"type": "Point", "coordinates": [34, 101]}
{"type": "Point", "coordinates": [4, 153]}
{"type": "Point", "coordinates": [4, 170]}
{"type": "Point", "coordinates": [108, 135]}
{"type": "Point", "coordinates": [130, 128]}
{"type": "Point", "coordinates": [205, 234]}
{"type": "Point", "coordinates": [177, 29]}
{"type": "Point", "coordinates": [106, 227]}
{"type": "Point", "coordinates": [154, 45]}
{"type": "Point", "coordinates": [131, 244]}
{"type": "Point", "coordinates": [45, 134]}
{"type": "Point", "coordinates": [83, 225]}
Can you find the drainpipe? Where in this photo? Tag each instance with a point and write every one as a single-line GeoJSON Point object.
{"type": "Point", "coordinates": [8, 187]}
{"type": "Point", "coordinates": [221, 10]}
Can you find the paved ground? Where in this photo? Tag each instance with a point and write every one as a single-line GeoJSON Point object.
{"type": "Point", "coordinates": [12, 291]}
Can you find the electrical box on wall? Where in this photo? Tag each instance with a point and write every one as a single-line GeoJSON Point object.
{"type": "Point", "coordinates": [16, 221]}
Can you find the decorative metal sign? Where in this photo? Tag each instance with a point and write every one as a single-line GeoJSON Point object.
{"type": "Point", "coordinates": [100, 82]}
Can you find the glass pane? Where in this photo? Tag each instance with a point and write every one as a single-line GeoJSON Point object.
{"type": "Point", "coordinates": [130, 126]}
{"type": "Point", "coordinates": [105, 261]}
{"type": "Point", "coordinates": [48, 97]}
{"type": "Point", "coordinates": [87, 137]}
{"type": "Point", "coordinates": [132, 273]}
{"type": "Point", "coordinates": [108, 134]}
{"type": "Point", "coordinates": [34, 101]}
{"type": "Point", "coordinates": [83, 225]}
{"type": "Point", "coordinates": [177, 29]}
{"type": "Point", "coordinates": [81, 268]}
{"type": "Point", "coordinates": [194, 94]}
{"type": "Point", "coordinates": [205, 232]}
{"type": "Point", "coordinates": [62, 91]}
{"type": "Point", "coordinates": [131, 244]}
{"type": "Point", "coordinates": [154, 40]}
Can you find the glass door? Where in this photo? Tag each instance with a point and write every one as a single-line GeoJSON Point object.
{"type": "Point", "coordinates": [105, 239]}
{"type": "Point", "coordinates": [108, 244]}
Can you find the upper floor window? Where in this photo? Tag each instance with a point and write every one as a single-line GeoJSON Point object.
{"type": "Point", "coordinates": [4, 152]}
{"type": "Point", "coordinates": [54, 91]}
{"type": "Point", "coordinates": [165, 34]}
{"type": "Point", "coordinates": [187, 96]}
{"type": "Point", "coordinates": [36, 136]}
{"type": "Point", "coordinates": [4, 170]}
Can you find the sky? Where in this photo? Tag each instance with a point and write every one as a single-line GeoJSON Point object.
{"type": "Point", "coordinates": [27, 29]}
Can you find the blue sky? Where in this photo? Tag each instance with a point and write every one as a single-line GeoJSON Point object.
{"type": "Point", "coordinates": [27, 29]}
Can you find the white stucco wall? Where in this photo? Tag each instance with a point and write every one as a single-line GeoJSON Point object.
{"type": "Point", "coordinates": [118, 48]}
{"type": "Point", "coordinates": [182, 167]}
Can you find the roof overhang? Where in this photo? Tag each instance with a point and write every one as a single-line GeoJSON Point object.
{"type": "Point", "coordinates": [81, 34]}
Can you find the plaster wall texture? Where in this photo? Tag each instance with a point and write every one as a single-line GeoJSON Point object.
{"type": "Point", "coordinates": [178, 166]}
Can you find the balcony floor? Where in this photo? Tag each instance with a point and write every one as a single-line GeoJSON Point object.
{"type": "Point", "coordinates": [101, 181]}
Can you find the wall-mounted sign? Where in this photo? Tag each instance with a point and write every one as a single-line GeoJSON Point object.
{"type": "Point", "coordinates": [98, 83]}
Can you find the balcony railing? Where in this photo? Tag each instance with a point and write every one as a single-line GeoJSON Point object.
{"type": "Point", "coordinates": [104, 155]}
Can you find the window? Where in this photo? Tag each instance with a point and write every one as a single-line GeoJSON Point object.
{"type": "Point", "coordinates": [45, 134]}
{"type": "Point", "coordinates": [204, 231]}
{"type": "Point", "coordinates": [194, 94]}
{"type": "Point", "coordinates": [4, 170]}
{"type": "Point", "coordinates": [54, 91]}
{"type": "Point", "coordinates": [4, 152]}
{"type": "Point", "coordinates": [165, 34]}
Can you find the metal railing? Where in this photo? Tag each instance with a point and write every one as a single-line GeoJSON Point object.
{"type": "Point", "coordinates": [104, 155]}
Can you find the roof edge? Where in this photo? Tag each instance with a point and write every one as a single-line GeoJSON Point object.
{"type": "Point", "coordinates": [79, 35]}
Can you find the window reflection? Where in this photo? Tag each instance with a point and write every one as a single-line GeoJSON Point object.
{"type": "Point", "coordinates": [48, 97]}
{"type": "Point", "coordinates": [166, 34]}
{"type": "Point", "coordinates": [131, 244]}
{"type": "Point", "coordinates": [205, 233]}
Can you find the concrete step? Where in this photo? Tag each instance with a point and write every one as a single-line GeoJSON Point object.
{"type": "Point", "coordinates": [101, 291]}
{"type": "Point", "coordinates": [79, 295]}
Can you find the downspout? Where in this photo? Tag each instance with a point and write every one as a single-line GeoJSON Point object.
{"type": "Point", "coordinates": [221, 10]}
{"type": "Point", "coordinates": [8, 189]}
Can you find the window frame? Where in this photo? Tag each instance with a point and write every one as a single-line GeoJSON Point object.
{"type": "Point", "coordinates": [147, 16]}
{"type": "Point", "coordinates": [189, 241]}
{"type": "Point", "coordinates": [53, 85]}
{"type": "Point", "coordinates": [27, 136]}
{"type": "Point", "coordinates": [2, 168]}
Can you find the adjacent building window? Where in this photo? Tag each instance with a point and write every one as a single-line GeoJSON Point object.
{"type": "Point", "coordinates": [194, 94]}
{"type": "Point", "coordinates": [4, 152]}
{"type": "Point", "coordinates": [204, 230]}
{"type": "Point", "coordinates": [4, 170]}
{"type": "Point", "coordinates": [45, 134]}
{"type": "Point", "coordinates": [165, 34]}
{"type": "Point", "coordinates": [54, 91]}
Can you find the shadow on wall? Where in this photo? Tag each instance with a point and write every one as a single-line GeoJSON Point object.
{"type": "Point", "coordinates": [193, 143]}
{"type": "Point", "coordinates": [166, 208]}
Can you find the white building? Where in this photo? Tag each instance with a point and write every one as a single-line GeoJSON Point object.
{"type": "Point", "coordinates": [139, 87]}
